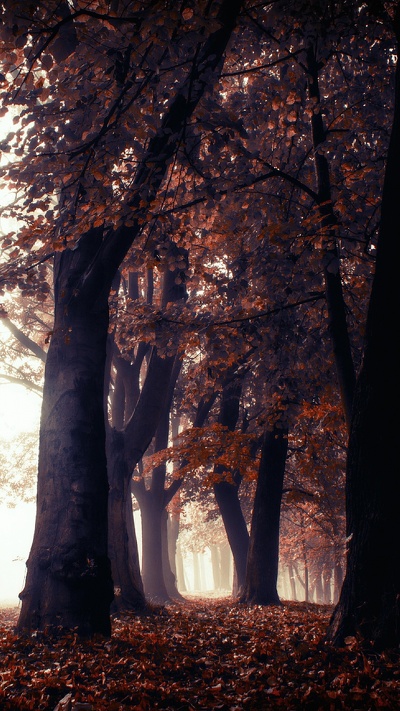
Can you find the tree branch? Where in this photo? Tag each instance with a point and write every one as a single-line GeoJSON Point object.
{"type": "Point", "coordinates": [23, 339]}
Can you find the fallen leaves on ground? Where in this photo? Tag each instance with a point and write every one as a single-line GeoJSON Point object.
{"type": "Point", "coordinates": [202, 654]}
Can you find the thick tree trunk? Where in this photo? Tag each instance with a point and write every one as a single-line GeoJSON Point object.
{"type": "Point", "coordinates": [260, 586]}
{"type": "Point", "coordinates": [68, 581]}
{"type": "Point", "coordinates": [369, 604]}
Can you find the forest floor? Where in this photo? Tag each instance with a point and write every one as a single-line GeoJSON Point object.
{"type": "Point", "coordinates": [201, 654]}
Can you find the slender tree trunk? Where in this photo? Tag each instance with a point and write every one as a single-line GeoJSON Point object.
{"type": "Point", "coordinates": [337, 581]}
{"type": "Point", "coordinates": [180, 570]}
{"type": "Point", "coordinates": [260, 586]}
{"type": "Point", "coordinates": [226, 567]}
{"type": "Point", "coordinates": [227, 493]}
{"type": "Point", "coordinates": [326, 582]}
{"type": "Point", "coordinates": [306, 578]}
{"type": "Point", "coordinates": [123, 552]}
{"type": "Point", "coordinates": [318, 587]}
{"type": "Point", "coordinates": [331, 257]}
{"type": "Point", "coordinates": [227, 498]}
{"type": "Point", "coordinates": [216, 566]}
{"type": "Point", "coordinates": [168, 557]}
{"type": "Point", "coordinates": [292, 579]}
{"type": "Point", "coordinates": [197, 582]}
{"type": "Point", "coordinates": [152, 559]}
{"type": "Point", "coordinates": [153, 501]}
{"type": "Point", "coordinates": [369, 603]}
{"type": "Point", "coordinates": [68, 581]}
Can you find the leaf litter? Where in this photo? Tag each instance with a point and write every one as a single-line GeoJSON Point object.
{"type": "Point", "coordinates": [201, 654]}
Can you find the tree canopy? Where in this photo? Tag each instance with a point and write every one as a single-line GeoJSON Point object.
{"type": "Point", "coordinates": [194, 191]}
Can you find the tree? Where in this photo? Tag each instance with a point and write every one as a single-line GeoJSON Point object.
{"type": "Point", "coordinates": [262, 563]}
{"type": "Point", "coordinates": [138, 415]}
{"type": "Point", "coordinates": [69, 581]}
{"type": "Point", "coordinates": [284, 222]}
{"type": "Point", "coordinates": [370, 598]}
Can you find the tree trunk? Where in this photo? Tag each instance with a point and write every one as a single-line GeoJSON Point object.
{"type": "Point", "coordinates": [68, 581]}
{"type": "Point", "coordinates": [227, 498]}
{"type": "Point", "coordinates": [153, 502]}
{"type": "Point", "coordinates": [226, 567]}
{"type": "Point", "coordinates": [318, 587]}
{"type": "Point", "coordinates": [369, 603]}
{"type": "Point", "coordinates": [326, 581]}
{"type": "Point", "coordinates": [128, 586]}
{"type": "Point", "coordinates": [292, 580]}
{"type": "Point", "coordinates": [169, 538]}
{"type": "Point", "coordinates": [227, 493]}
{"type": "Point", "coordinates": [216, 566]}
{"type": "Point", "coordinates": [336, 307]}
{"type": "Point", "coordinates": [180, 570]}
{"type": "Point", "coordinates": [197, 583]}
{"type": "Point", "coordinates": [260, 587]}
{"type": "Point", "coordinates": [337, 581]}
{"type": "Point", "coordinates": [152, 510]}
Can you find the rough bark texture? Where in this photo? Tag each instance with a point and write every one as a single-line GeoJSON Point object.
{"type": "Point", "coordinates": [260, 587]}
{"type": "Point", "coordinates": [369, 604]}
{"type": "Point", "coordinates": [68, 580]}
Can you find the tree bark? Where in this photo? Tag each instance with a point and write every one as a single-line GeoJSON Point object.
{"type": "Point", "coordinates": [369, 604]}
{"type": "Point", "coordinates": [169, 534]}
{"type": "Point", "coordinates": [331, 257]}
{"type": "Point", "coordinates": [227, 497]}
{"type": "Point", "coordinates": [68, 581]}
{"type": "Point", "coordinates": [180, 570]}
{"type": "Point", "coordinates": [226, 567]}
{"type": "Point", "coordinates": [227, 493]}
{"type": "Point", "coordinates": [260, 586]}
{"type": "Point", "coordinates": [152, 559]}
{"type": "Point", "coordinates": [123, 552]}
{"type": "Point", "coordinates": [292, 580]}
{"type": "Point", "coordinates": [153, 502]}
{"type": "Point", "coordinates": [216, 566]}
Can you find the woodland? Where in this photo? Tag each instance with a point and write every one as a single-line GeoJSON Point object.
{"type": "Point", "coordinates": [198, 273]}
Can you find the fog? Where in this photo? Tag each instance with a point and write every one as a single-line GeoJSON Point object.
{"type": "Point", "coordinates": [16, 532]}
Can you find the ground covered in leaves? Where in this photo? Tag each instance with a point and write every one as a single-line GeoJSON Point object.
{"type": "Point", "coordinates": [204, 654]}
